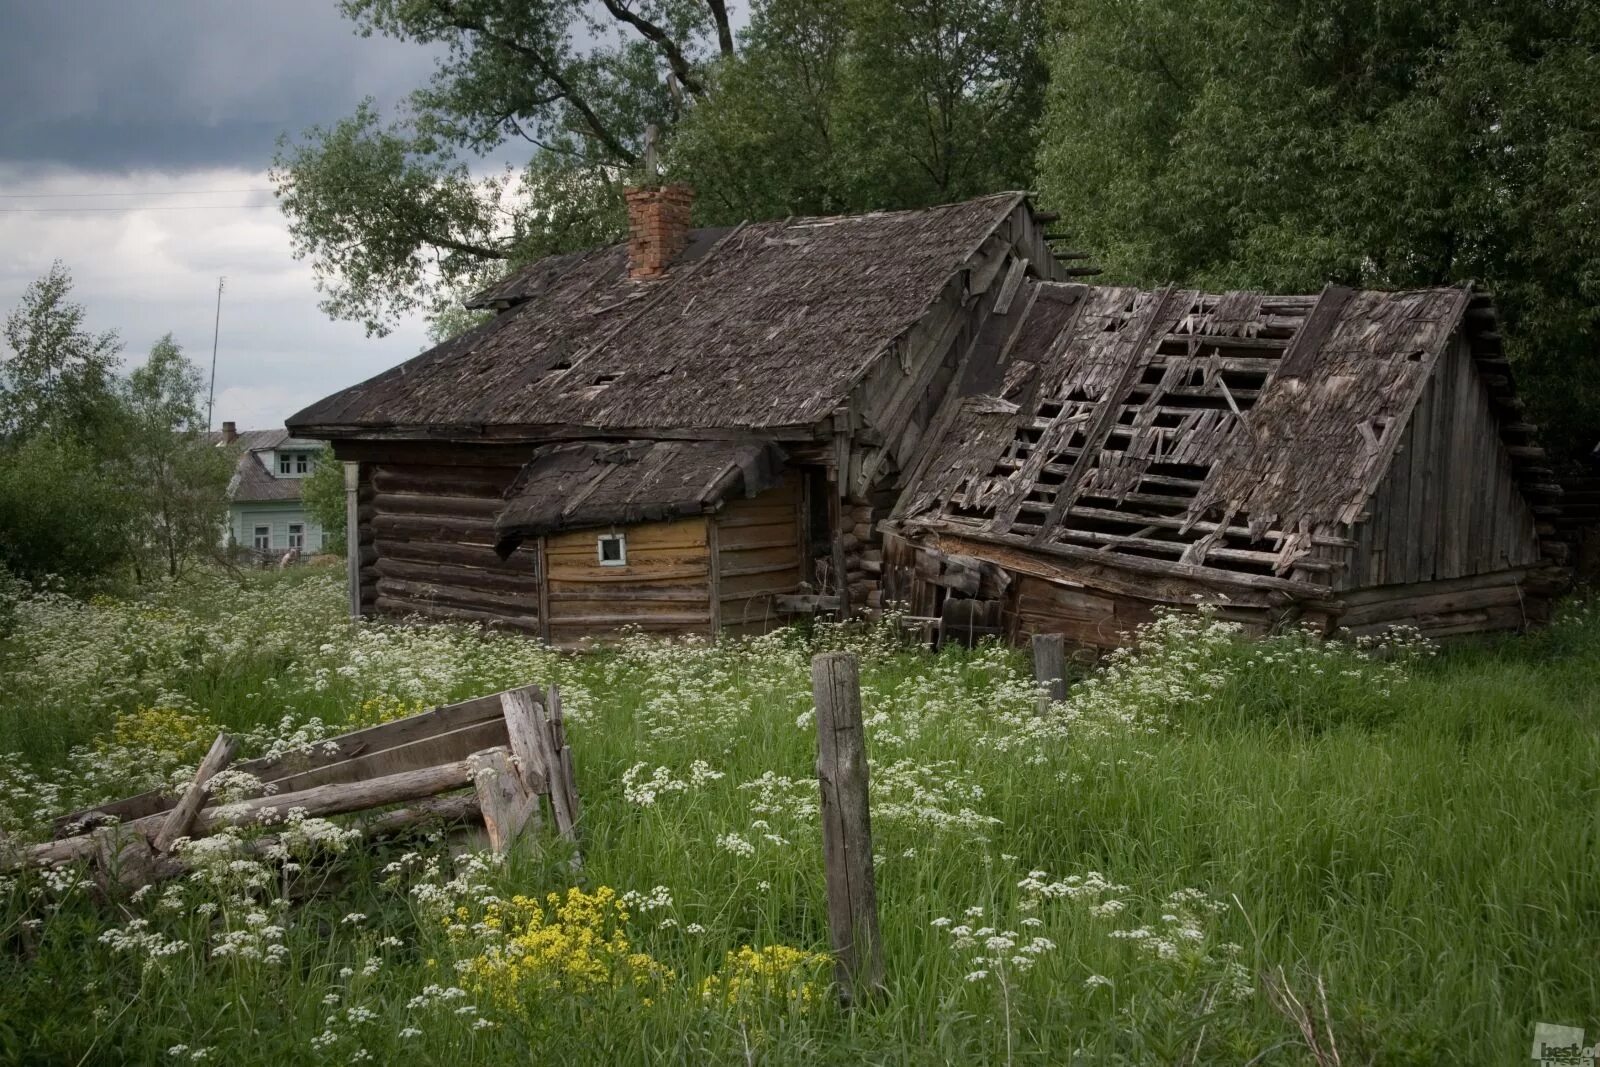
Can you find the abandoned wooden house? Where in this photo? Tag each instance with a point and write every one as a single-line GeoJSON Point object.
{"type": "Point", "coordinates": [1352, 460]}
{"type": "Point", "coordinates": [685, 431]}
{"type": "Point", "coordinates": [677, 431]}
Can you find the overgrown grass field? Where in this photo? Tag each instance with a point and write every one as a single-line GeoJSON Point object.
{"type": "Point", "coordinates": [1206, 833]}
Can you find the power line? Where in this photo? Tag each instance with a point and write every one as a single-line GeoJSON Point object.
{"type": "Point", "coordinates": [170, 192]}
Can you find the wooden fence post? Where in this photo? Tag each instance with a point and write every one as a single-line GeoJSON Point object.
{"type": "Point", "coordinates": [1050, 667]}
{"type": "Point", "coordinates": [846, 827]}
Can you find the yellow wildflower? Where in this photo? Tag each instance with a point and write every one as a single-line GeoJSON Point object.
{"type": "Point", "coordinates": [777, 972]}
{"type": "Point", "coordinates": [574, 943]}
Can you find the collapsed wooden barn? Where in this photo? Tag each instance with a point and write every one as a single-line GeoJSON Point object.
{"type": "Point", "coordinates": [1352, 460]}
{"type": "Point", "coordinates": [679, 431]}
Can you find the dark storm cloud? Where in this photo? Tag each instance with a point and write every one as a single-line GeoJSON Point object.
{"type": "Point", "coordinates": [181, 84]}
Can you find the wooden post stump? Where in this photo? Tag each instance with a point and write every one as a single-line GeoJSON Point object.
{"type": "Point", "coordinates": [847, 828]}
{"type": "Point", "coordinates": [1050, 668]}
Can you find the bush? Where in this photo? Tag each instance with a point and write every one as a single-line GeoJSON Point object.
{"type": "Point", "coordinates": [61, 512]}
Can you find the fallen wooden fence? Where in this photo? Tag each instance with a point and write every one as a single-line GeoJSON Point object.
{"type": "Point", "coordinates": [509, 748]}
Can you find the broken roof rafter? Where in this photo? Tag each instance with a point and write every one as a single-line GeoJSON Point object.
{"type": "Point", "coordinates": [1240, 433]}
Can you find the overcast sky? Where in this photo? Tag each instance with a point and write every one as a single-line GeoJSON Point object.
{"type": "Point", "coordinates": [135, 138]}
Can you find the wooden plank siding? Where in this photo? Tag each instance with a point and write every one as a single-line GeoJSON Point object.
{"type": "Point", "coordinates": [1449, 506]}
{"type": "Point", "coordinates": [760, 554]}
{"type": "Point", "coordinates": [663, 587]}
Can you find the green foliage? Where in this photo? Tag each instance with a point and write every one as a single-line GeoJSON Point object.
{"type": "Point", "coordinates": [97, 471]}
{"type": "Point", "coordinates": [1257, 143]}
{"type": "Point", "coordinates": [390, 214]}
{"type": "Point", "coordinates": [832, 105]}
{"type": "Point", "coordinates": [322, 493]}
{"type": "Point", "coordinates": [852, 105]}
{"type": "Point", "coordinates": [57, 378]}
{"type": "Point", "coordinates": [176, 481]}
{"type": "Point", "coordinates": [1199, 813]}
{"type": "Point", "coordinates": [63, 512]}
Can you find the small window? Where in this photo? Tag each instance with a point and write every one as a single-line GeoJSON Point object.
{"type": "Point", "coordinates": [283, 463]}
{"type": "Point", "coordinates": [302, 463]}
{"type": "Point", "coordinates": [613, 550]}
{"type": "Point", "coordinates": [297, 535]}
{"type": "Point", "coordinates": [263, 538]}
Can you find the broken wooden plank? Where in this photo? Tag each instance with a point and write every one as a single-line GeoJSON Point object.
{"type": "Point", "coordinates": [182, 815]}
{"type": "Point", "coordinates": [503, 798]}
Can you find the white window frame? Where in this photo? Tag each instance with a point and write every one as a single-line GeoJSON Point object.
{"type": "Point", "coordinates": [297, 535]}
{"type": "Point", "coordinates": [284, 465]}
{"type": "Point", "coordinates": [260, 534]}
{"type": "Point", "coordinates": [617, 538]}
{"type": "Point", "coordinates": [302, 463]}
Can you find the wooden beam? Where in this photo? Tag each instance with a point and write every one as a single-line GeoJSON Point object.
{"type": "Point", "coordinates": [847, 828]}
{"type": "Point", "coordinates": [181, 817]}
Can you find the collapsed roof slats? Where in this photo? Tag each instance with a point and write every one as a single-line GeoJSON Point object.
{"type": "Point", "coordinates": [1285, 410]}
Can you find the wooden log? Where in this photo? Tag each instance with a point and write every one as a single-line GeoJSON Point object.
{"type": "Point", "coordinates": [333, 799]}
{"type": "Point", "coordinates": [847, 828]}
{"type": "Point", "coordinates": [503, 797]}
{"type": "Point", "coordinates": [274, 769]}
{"type": "Point", "coordinates": [1050, 665]}
{"type": "Point", "coordinates": [354, 552]}
{"type": "Point", "coordinates": [181, 817]}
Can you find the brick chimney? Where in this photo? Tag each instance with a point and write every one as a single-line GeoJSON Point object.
{"type": "Point", "coordinates": [658, 227]}
{"type": "Point", "coordinates": [230, 432]}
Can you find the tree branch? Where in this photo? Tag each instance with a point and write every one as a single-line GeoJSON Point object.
{"type": "Point", "coordinates": [719, 15]}
{"type": "Point", "coordinates": [659, 37]}
{"type": "Point", "coordinates": [548, 70]}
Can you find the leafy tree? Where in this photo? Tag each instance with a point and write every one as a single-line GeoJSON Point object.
{"type": "Point", "coordinates": [176, 482]}
{"type": "Point", "coordinates": [833, 105]}
{"type": "Point", "coordinates": [391, 213]}
{"type": "Point", "coordinates": [322, 492]}
{"type": "Point", "coordinates": [62, 512]}
{"type": "Point", "coordinates": [849, 105]}
{"type": "Point", "coordinates": [56, 378]}
{"type": "Point", "coordinates": [1283, 144]}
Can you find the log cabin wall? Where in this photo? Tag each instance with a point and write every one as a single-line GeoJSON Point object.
{"type": "Point", "coordinates": [1449, 506]}
{"type": "Point", "coordinates": [761, 551]}
{"type": "Point", "coordinates": [664, 587]}
{"type": "Point", "coordinates": [426, 536]}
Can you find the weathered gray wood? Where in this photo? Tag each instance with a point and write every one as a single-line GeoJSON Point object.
{"type": "Point", "coordinates": [550, 758]}
{"type": "Point", "coordinates": [1050, 665]}
{"type": "Point", "coordinates": [520, 707]}
{"type": "Point", "coordinates": [322, 800]}
{"type": "Point", "coordinates": [182, 815]}
{"type": "Point", "coordinates": [503, 797]}
{"type": "Point", "coordinates": [847, 827]}
{"type": "Point", "coordinates": [558, 732]}
{"type": "Point", "coordinates": [425, 752]}
{"type": "Point", "coordinates": [273, 769]}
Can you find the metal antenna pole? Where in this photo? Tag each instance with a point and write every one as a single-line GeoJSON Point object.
{"type": "Point", "coordinates": [216, 331]}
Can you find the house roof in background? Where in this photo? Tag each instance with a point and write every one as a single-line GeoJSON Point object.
{"type": "Point", "coordinates": [253, 482]}
{"type": "Point", "coordinates": [770, 327]}
{"type": "Point", "coordinates": [591, 484]}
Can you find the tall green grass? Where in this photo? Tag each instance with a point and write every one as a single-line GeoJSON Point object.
{"type": "Point", "coordinates": [1418, 835]}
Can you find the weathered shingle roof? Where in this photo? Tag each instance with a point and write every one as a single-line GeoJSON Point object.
{"type": "Point", "coordinates": [1234, 431]}
{"type": "Point", "coordinates": [770, 328]}
{"type": "Point", "coordinates": [252, 481]}
{"type": "Point", "coordinates": [595, 484]}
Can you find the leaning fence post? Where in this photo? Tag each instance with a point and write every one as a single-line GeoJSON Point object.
{"type": "Point", "coordinates": [846, 827]}
{"type": "Point", "coordinates": [1050, 667]}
